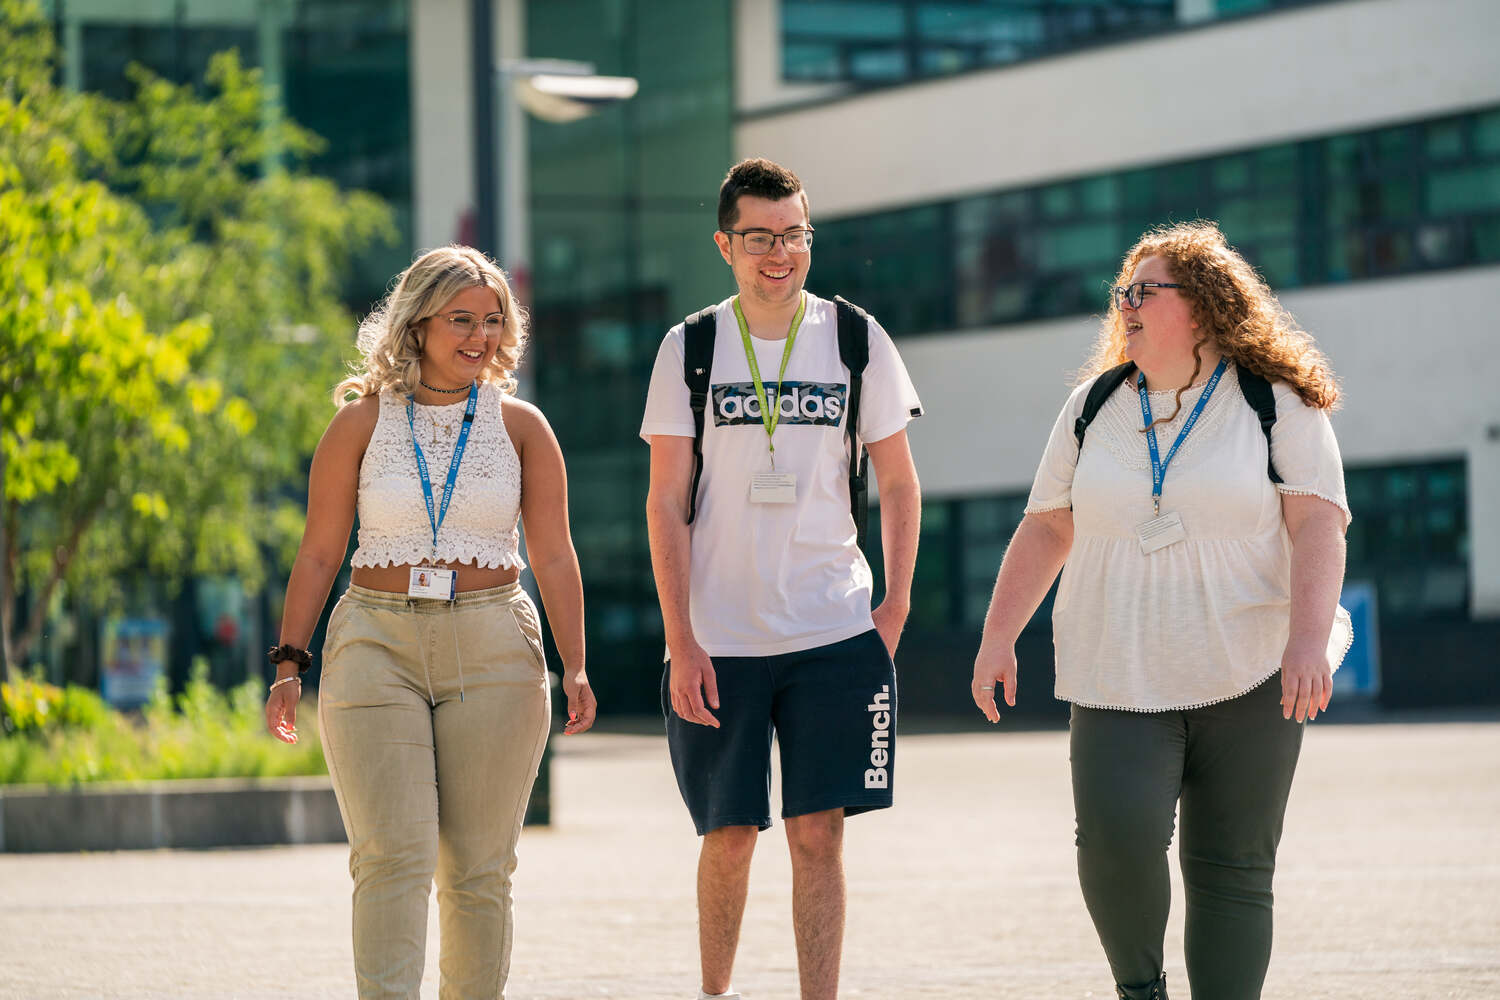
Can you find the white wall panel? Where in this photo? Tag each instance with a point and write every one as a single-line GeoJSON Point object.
{"type": "Point", "coordinates": [442, 111]}
{"type": "Point", "coordinates": [1295, 74]}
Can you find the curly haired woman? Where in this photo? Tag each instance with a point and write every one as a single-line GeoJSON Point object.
{"type": "Point", "coordinates": [1195, 570]}
{"type": "Point", "coordinates": [433, 701]}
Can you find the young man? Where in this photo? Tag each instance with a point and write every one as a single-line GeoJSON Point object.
{"type": "Point", "coordinates": [765, 595]}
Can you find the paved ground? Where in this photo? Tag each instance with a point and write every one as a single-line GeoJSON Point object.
{"type": "Point", "coordinates": [1389, 886]}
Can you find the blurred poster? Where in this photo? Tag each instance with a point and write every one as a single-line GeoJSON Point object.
{"type": "Point", "coordinates": [132, 655]}
{"type": "Point", "coordinates": [1360, 673]}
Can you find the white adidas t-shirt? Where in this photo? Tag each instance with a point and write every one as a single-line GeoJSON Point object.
{"type": "Point", "coordinates": [778, 578]}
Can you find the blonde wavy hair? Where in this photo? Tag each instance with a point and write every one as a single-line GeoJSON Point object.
{"type": "Point", "coordinates": [390, 338]}
{"type": "Point", "coordinates": [1234, 310]}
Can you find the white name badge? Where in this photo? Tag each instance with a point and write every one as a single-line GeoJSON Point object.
{"type": "Point", "coordinates": [433, 583]}
{"type": "Point", "coordinates": [1159, 532]}
{"type": "Point", "coordinates": [773, 487]}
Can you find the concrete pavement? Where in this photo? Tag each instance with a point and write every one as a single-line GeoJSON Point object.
{"type": "Point", "coordinates": [1388, 886]}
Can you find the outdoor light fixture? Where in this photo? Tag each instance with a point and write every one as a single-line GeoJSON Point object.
{"type": "Point", "coordinates": [556, 97]}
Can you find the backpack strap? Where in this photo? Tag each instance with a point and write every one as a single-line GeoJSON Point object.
{"type": "Point", "coordinates": [697, 366]}
{"type": "Point", "coordinates": [1258, 394]}
{"type": "Point", "coordinates": [1105, 384]}
{"type": "Point", "coordinates": [854, 352]}
{"type": "Point", "coordinates": [1256, 389]}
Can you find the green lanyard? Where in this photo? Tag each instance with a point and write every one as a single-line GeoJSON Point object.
{"type": "Point", "coordinates": [769, 415]}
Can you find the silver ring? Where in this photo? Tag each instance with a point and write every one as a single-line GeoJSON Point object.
{"type": "Point", "coordinates": [986, 687]}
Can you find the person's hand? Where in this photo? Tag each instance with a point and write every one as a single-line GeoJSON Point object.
{"type": "Point", "coordinates": [995, 664]}
{"type": "Point", "coordinates": [693, 685]}
{"type": "Point", "coordinates": [582, 706]}
{"type": "Point", "coordinates": [890, 619]}
{"type": "Point", "coordinates": [281, 709]}
{"type": "Point", "coordinates": [1306, 680]}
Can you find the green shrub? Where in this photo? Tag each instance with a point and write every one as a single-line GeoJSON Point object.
{"type": "Point", "coordinates": [69, 736]}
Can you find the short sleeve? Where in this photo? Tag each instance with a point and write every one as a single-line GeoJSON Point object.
{"type": "Point", "coordinates": [668, 410]}
{"type": "Point", "coordinates": [887, 399]}
{"type": "Point", "coordinates": [1305, 452]}
{"type": "Point", "coordinates": [1052, 489]}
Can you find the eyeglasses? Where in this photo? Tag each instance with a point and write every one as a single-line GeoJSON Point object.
{"type": "Point", "coordinates": [465, 322]}
{"type": "Point", "coordinates": [1134, 294]}
{"type": "Point", "coordinates": [758, 241]}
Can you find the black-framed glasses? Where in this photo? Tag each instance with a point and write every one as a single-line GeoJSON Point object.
{"type": "Point", "coordinates": [758, 241]}
{"type": "Point", "coordinates": [1133, 295]}
{"type": "Point", "coordinates": [465, 322]}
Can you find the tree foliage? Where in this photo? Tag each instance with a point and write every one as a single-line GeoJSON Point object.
{"type": "Point", "coordinates": [171, 328]}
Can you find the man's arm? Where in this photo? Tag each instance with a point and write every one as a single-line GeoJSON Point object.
{"type": "Point", "coordinates": [900, 524]}
{"type": "Point", "coordinates": [693, 681]}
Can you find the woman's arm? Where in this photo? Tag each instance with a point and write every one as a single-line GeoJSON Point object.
{"type": "Point", "coordinates": [1032, 561]}
{"type": "Point", "coordinates": [1317, 531]}
{"type": "Point", "coordinates": [549, 544]}
{"type": "Point", "coordinates": [332, 490]}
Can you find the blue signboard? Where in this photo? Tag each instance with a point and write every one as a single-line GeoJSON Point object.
{"type": "Point", "coordinates": [132, 655]}
{"type": "Point", "coordinates": [1360, 673]}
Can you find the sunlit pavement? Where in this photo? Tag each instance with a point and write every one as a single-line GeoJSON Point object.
{"type": "Point", "coordinates": [1388, 886]}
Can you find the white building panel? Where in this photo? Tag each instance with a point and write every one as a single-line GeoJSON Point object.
{"type": "Point", "coordinates": [1237, 84]}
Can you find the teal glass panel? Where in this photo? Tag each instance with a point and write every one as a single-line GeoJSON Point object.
{"type": "Point", "coordinates": [1445, 141]}
{"type": "Point", "coordinates": [1231, 174]}
{"type": "Point", "coordinates": [1487, 133]}
{"type": "Point", "coordinates": [1464, 189]}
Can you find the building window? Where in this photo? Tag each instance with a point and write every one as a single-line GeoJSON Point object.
{"type": "Point", "coordinates": [344, 73]}
{"type": "Point", "coordinates": [959, 553]}
{"type": "Point", "coordinates": [1396, 200]}
{"type": "Point", "coordinates": [875, 42]}
{"type": "Point", "coordinates": [1410, 537]}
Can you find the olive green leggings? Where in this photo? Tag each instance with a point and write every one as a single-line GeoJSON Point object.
{"type": "Point", "coordinates": [1230, 765]}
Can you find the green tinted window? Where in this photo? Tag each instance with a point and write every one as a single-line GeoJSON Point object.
{"type": "Point", "coordinates": [1387, 201]}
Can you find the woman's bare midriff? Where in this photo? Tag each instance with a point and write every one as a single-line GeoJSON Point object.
{"type": "Point", "coordinates": [394, 579]}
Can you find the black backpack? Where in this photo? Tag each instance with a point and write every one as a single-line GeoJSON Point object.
{"type": "Point", "coordinates": [854, 352]}
{"type": "Point", "coordinates": [1256, 389]}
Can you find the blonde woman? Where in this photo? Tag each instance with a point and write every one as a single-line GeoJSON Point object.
{"type": "Point", "coordinates": [1193, 496]}
{"type": "Point", "coordinates": [433, 700]}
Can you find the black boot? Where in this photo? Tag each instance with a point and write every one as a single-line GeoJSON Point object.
{"type": "Point", "coordinates": [1151, 991]}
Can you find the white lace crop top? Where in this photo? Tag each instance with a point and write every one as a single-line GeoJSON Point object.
{"type": "Point", "coordinates": [480, 527]}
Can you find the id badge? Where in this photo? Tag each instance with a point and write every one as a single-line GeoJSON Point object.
{"type": "Point", "coordinates": [1159, 532]}
{"type": "Point", "coordinates": [432, 583]}
{"type": "Point", "coordinates": [773, 487]}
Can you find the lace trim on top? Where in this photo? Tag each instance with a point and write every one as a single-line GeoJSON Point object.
{"type": "Point", "coordinates": [1121, 415]}
{"type": "Point", "coordinates": [481, 525]}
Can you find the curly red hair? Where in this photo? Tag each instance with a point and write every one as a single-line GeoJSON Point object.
{"type": "Point", "coordinates": [1234, 310]}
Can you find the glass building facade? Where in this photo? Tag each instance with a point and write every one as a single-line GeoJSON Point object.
{"type": "Point", "coordinates": [342, 69]}
{"type": "Point", "coordinates": [623, 209]}
{"type": "Point", "coordinates": [883, 42]}
{"type": "Point", "coordinates": [1369, 204]}
{"type": "Point", "coordinates": [1409, 537]}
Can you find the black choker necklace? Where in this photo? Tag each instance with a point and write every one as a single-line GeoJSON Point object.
{"type": "Point", "coordinates": [449, 392]}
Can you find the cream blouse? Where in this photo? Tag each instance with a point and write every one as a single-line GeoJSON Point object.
{"type": "Point", "coordinates": [1206, 619]}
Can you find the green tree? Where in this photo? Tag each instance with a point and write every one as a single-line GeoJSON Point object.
{"type": "Point", "coordinates": [171, 328]}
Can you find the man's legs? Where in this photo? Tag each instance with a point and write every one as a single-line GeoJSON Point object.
{"type": "Point", "coordinates": [816, 841]}
{"type": "Point", "coordinates": [723, 881]}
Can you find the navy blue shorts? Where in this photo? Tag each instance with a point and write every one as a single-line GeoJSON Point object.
{"type": "Point", "coordinates": [833, 711]}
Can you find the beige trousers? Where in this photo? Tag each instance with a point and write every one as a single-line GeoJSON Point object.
{"type": "Point", "coordinates": [433, 720]}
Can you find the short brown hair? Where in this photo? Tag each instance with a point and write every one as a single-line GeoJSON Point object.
{"type": "Point", "coordinates": [760, 178]}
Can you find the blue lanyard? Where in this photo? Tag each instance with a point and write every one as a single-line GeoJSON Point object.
{"type": "Point", "coordinates": [1159, 467]}
{"type": "Point", "coordinates": [436, 520]}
